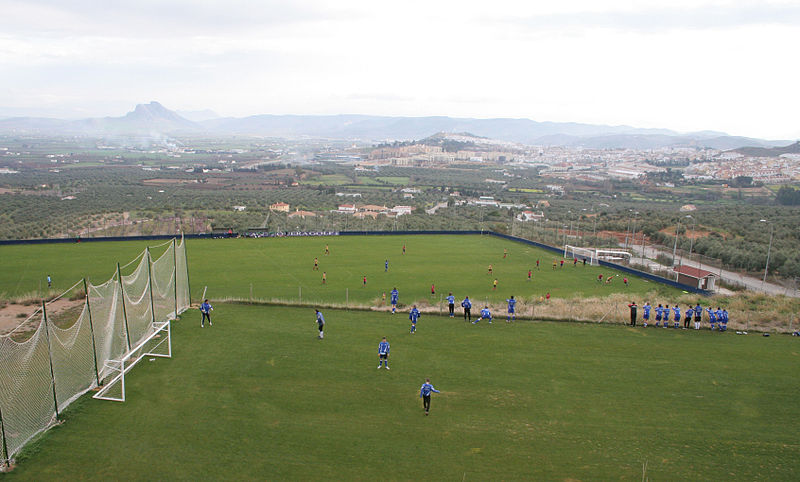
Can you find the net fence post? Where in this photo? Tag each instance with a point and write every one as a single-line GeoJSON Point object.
{"type": "Point", "coordinates": [175, 273]}
{"type": "Point", "coordinates": [91, 331]}
{"type": "Point", "coordinates": [186, 262]}
{"type": "Point", "coordinates": [50, 357]}
{"type": "Point", "coordinates": [150, 284]}
{"type": "Point", "coordinates": [124, 312]}
{"type": "Point", "coordinates": [5, 443]}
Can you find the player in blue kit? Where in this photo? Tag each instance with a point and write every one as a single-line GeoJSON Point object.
{"type": "Point", "coordinates": [677, 319]}
{"type": "Point", "coordinates": [646, 313]}
{"type": "Point", "coordinates": [205, 309]}
{"type": "Point", "coordinates": [485, 315]}
{"type": "Point", "coordinates": [721, 323]}
{"type": "Point", "coordinates": [386, 266]}
{"type": "Point", "coordinates": [688, 317]}
{"type": "Point", "coordinates": [425, 394]}
{"type": "Point", "coordinates": [320, 324]}
{"type": "Point", "coordinates": [467, 305]}
{"type": "Point", "coordinates": [394, 295]}
{"type": "Point", "coordinates": [698, 316]}
{"type": "Point", "coordinates": [383, 353]}
{"type": "Point", "coordinates": [413, 315]}
{"type": "Point", "coordinates": [451, 304]}
{"type": "Point", "coordinates": [511, 308]}
{"type": "Point", "coordinates": [724, 320]}
{"type": "Point", "coordinates": [659, 313]}
{"type": "Point", "coordinates": [712, 317]}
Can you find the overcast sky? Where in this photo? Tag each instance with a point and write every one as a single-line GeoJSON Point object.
{"type": "Point", "coordinates": [682, 64]}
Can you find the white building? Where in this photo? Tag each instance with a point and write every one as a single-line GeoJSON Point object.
{"type": "Point", "coordinates": [401, 210]}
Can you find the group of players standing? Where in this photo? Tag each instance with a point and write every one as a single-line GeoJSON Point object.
{"type": "Point", "coordinates": [718, 319]}
{"type": "Point", "coordinates": [466, 304]}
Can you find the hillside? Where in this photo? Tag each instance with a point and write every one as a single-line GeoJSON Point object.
{"type": "Point", "coordinates": [155, 120]}
{"type": "Point", "coordinates": [769, 152]}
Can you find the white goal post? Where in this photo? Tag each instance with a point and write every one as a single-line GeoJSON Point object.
{"type": "Point", "coordinates": [156, 344]}
{"type": "Point", "coordinates": [593, 254]}
{"type": "Point", "coordinates": [589, 254]}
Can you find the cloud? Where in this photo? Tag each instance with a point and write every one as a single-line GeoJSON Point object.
{"type": "Point", "coordinates": [662, 19]}
{"type": "Point", "coordinates": [173, 18]}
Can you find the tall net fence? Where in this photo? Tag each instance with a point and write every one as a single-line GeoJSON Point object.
{"type": "Point", "coordinates": [71, 343]}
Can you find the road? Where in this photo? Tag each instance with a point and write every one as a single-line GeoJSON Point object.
{"type": "Point", "coordinates": [646, 257]}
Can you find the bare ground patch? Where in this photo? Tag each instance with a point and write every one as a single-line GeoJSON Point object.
{"type": "Point", "coordinates": [63, 312]}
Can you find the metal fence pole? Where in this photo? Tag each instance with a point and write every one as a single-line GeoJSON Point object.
{"type": "Point", "coordinates": [5, 443]}
{"type": "Point", "coordinates": [50, 357]}
{"type": "Point", "coordinates": [124, 312]}
{"type": "Point", "coordinates": [175, 271]}
{"type": "Point", "coordinates": [186, 260]}
{"type": "Point", "coordinates": [91, 330]}
{"type": "Point", "coordinates": [150, 285]}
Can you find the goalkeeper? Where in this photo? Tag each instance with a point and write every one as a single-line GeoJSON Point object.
{"type": "Point", "coordinates": [205, 309]}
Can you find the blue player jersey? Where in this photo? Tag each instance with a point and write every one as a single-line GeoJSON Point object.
{"type": "Point", "coordinates": [383, 348]}
{"type": "Point", "coordinates": [677, 312]}
{"type": "Point", "coordinates": [511, 304]}
{"type": "Point", "coordinates": [712, 315]}
{"type": "Point", "coordinates": [659, 312]}
{"type": "Point", "coordinates": [394, 294]}
{"type": "Point", "coordinates": [486, 314]}
{"type": "Point", "coordinates": [689, 312]}
{"type": "Point", "coordinates": [413, 315]}
{"type": "Point", "coordinates": [451, 299]}
{"type": "Point", "coordinates": [647, 311]}
{"type": "Point", "coordinates": [426, 389]}
{"type": "Point", "coordinates": [466, 303]}
{"type": "Point", "coordinates": [320, 319]}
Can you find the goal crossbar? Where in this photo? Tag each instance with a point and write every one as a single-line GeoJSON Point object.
{"type": "Point", "coordinates": [148, 347]}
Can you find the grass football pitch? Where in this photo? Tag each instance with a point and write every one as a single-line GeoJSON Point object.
{"type": "Point", "coordinates": [282, 268]}
{"type": "Point", "coordinates": [258, 396]}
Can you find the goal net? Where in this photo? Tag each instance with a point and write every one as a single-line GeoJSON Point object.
{"type": "Point", "coordinates": [576, 252]}
{"type": "Point", "coordinates": [89, 336]}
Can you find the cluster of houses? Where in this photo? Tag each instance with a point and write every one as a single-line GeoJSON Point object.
{"type": "Point", "coordinates": [359, 211]}
{"type": "Point", "coordinates": [373, 210]}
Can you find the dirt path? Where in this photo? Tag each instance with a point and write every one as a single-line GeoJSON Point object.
{"type": "Point", "coordinates": [12, 315]}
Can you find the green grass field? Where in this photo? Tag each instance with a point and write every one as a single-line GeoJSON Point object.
{"type": "Point", "coordinates": [257, 396]}
{"type": "Point", "coordinates": [281, 268]}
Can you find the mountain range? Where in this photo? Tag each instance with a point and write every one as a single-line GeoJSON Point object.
{"type": "Point", "coordinates": [155, 120]}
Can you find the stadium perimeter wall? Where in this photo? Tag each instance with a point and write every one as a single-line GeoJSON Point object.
{"type": "Point", "coordinates": [9, 242]}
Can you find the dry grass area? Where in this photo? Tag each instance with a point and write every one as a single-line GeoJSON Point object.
{"type": "Point", "coordinates": [748, 311]}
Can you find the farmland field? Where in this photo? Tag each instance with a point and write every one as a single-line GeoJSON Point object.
{"type": "Point", "coordinates": [258, 396]}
